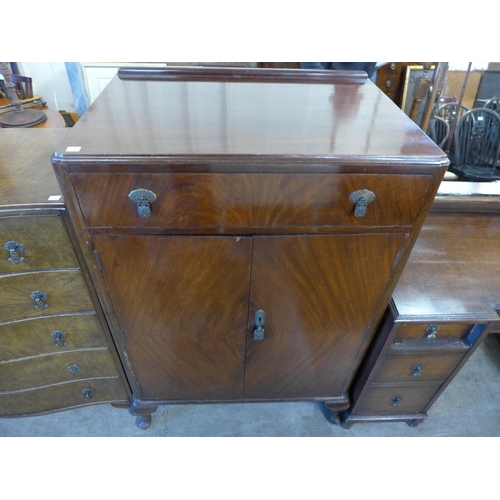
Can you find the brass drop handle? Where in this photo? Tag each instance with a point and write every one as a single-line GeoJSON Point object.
{"type": "Point", "coordinates": [431, 331]}
{"type": "Point", "coordinates": [14, 248]}
{"type": "Point", "coordinates": [417, 370]}
{"type": "Point", "coordinates": [361, 199]}
{"type": "Point", "coordinates": [88, 394]}
{"type": "Point", "coordinates": [396, 400]}
{"type": "Point", "coordinates": [142, 198]}
{"type": "Point", "coordinates": [259, 321]}
{"type": "Point", "coordinates": [59, 337]}
{"type": "Point", "coordinates": [39, 297]}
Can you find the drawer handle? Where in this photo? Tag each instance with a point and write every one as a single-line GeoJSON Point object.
{"type": "Point", "coordinates": [142, 198]}
{"type": "Point", "coordinates": [259, 321]}
{"type": "Point", "coordinates": [59, 337]}
{"type": "Point", "coordinates": [88, 394]}
{"type": "Point", "coordinates": [14, 248]}
{"type": "Point", "coordinates": [39, 298]}
{"type": "Point", "coordinates": [431, 331]}
{"type": "Point", "coordinates": [361, 199]}
{"type": "Point", "coordinates": [396, 400]}
{"type": "Point", "coordinates": [74, 368]}
{"type": "Point", "coordinates": [417, 370]}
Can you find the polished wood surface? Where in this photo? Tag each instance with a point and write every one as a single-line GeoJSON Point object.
{"type": "Point", "coordinates": [26, 174]}
{"type": "Point", "coordinates": [45, 240]}
{"type": "Point", "coordinates": [66, 292]}
{"type": "Point", "coordinates": [419, 331]}
{"type": "Point", "coordinates": [252, 180]}
{"type": "Point", "coordinates": [182, 304]}
{"type": "Point", "coordinates": [33, 337]}
{"type": "Point", "coordinates": [317, 311]}
{"type": "Point", "coordinates": [248, 200]}
{"type": "Point", "coordinates": [196, 120]}
{"type": "Point", "coordinates": [54, 118]}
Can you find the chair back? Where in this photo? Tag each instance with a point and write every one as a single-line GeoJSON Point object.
{"type": "Point", "coordinates": [439, 130]}
{"type": "Point", "coordinates": [477, 142]}
{"type": "Point", "coordinates": [493, 104]}
{"type": "Point", "coordinates": [24, 86]}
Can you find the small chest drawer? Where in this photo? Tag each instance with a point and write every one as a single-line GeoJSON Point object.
{"type": "Point", "coordinates": [394, 400]}
{"type": "Point", "coordinates": [62, 396]}
{"type": "Point", "coordinates": [64, 292]}
{"type": "Point", "coordinates": [182, 200]}
{"type": "Point", "coordinates": [56, 368]}
{"type": "Point", "coordinates": [420, 367]}
{"type": "Point", "coordinates": [31, 243]}
{"type": "Point", "coordinates": [48, 335]}
{"type": "Point", "coordinates": [433, 331]}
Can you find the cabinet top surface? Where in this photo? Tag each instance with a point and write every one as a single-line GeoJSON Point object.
{"type": "Point", "coordinates": [289, 120]}
{"type": "Point", "coordinates": [26, 175]}
{"type": "Point", "coordinates": [453, 268]}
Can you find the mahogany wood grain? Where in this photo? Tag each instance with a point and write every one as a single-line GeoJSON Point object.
{"type": "Point", "coordinates": [33, 337]}
{"type": "Point", "coordinates": [446, 331]}
{"type": "Point", "coordinates": [26, 176]}
{"type": "Point", "coordinates": [317, 312]}
{"type": "Point", "coordinates": [54, 368]}
{"type": "Point", "coordinates": [182, 304]}
{"type": "Point", "coordinates": [397, 367]}
{"type": "Point", "coordinates": [61, 396]}
{"type": "Point", "coordinates": [66, 293]}
{"type": "Point", "coordinates": [248, 200]}
{"type": "Point", "coordinates": [45, 240]}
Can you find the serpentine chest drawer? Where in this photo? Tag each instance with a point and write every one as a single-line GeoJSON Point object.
{"type": "Point", "coordinates": [245, 228]}
{"type": "Point", "coordinates": [54, 353]}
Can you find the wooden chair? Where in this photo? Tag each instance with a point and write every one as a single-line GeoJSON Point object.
{"type": "Point", "coordinates": [439, 130]}
{"type": "Point", "coordinates": [477, 146]}
{"type": "Point", "coordinates": [24, 86]}
{"type": "Point", "coordinates": [493, 104]}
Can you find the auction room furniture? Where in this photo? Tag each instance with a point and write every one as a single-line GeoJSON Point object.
{"type": "Point", "coordinates": [55, 352]}
{"type": "Point", "coordinates": [54, 118]}
{"type": "Point", "coordinates": [442, 309]}
{"type": "Point", "coordinates": [245, 228]}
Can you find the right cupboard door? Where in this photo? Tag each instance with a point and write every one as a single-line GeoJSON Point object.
{"type": "Point", "coordinates": [319, 294]}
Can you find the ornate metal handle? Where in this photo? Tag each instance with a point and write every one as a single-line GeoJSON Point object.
{"type": "Point", "coordinates": [259, 321]}
{"type": "Point", "coordinates": [431, 331]}
{"type": "Point", "coordinates": [142, 198]}
{"type": "Point", "coordinates": [361, 199]}
{"type": "Point", "coordinates": [88, 394]}
{"type": "Point", "coordinates": [417, 370]}
{"type": "Point", "coordinates": [74, 368]}
{"type": "Point", "coordinates": [396, 400]}
{"type": "Point", "coordinates": [14, 248]}
{"type": "Point", "coordinates": [58, 336]}
{"type": "Point", "coordinates": [40, 298]}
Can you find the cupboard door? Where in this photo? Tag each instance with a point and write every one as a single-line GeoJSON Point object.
{"type": "Point", "coordinates": [182, 305]}
{"type": "Point", "coordinates": [319, 294]}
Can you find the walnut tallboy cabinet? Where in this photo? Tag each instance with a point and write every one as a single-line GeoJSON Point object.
{"type": "Point", "coordinates": [245, 228]}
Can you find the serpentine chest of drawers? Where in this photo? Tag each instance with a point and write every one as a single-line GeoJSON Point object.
{"type": "Point", "coordinates": [54, 349]}
{"type": "Point", "coordinates": [245, 229]}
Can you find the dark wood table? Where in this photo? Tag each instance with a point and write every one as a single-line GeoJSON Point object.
{"type": "Point", "coordinates": [54, 118]}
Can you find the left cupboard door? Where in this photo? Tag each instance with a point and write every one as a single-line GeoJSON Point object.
{"type": "Point", "coordinates": [181, 303]}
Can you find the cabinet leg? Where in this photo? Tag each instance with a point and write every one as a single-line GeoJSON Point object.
{"type": "Point", "coordinates": [415, 423]}
{"type": "Point", "coordinates": [336, 407]}
{"type": "Point", "coordinates": [142, 413]}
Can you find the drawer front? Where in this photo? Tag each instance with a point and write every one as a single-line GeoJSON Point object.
{"type": "Point", "coordinates": [421, 367]}
{"type": "Point", "coordinates": [65, 290]}
{"type": "Point", "coordinates": [56, 368]}
{"type": "Point", "coordinates": [248, 200]}
{"type": "Point", "coordinates": [62, 396]}
{"type": "Point", "coordinates": [38, 242]}
{"type": "Point", "coordinates": [50, 335]}
{"type": "Point", "coordinates": [432, 331]}
{"type": "Point", "coordinates": [394, 400]}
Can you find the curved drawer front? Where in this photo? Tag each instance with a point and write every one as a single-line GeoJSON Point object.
{"type": "Point", "coordinates": [433, 331]}
{"type": "Point", "coordinates": [49, 335]}
{"type": "Point", "coordinates": [39, 242]}
{"type": "Point", "coordinates": [55, 368]}
{"type": "Point", "coordinates": [248, 200]}
{"type": "Point", "coordinates": [62, 396]}
{"type": "Point", "coordinates": [422, 367]}
{"type": "Point", "coordinates": [65, 291]}
{"type": "Point", "coordinates": [393, 400]}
